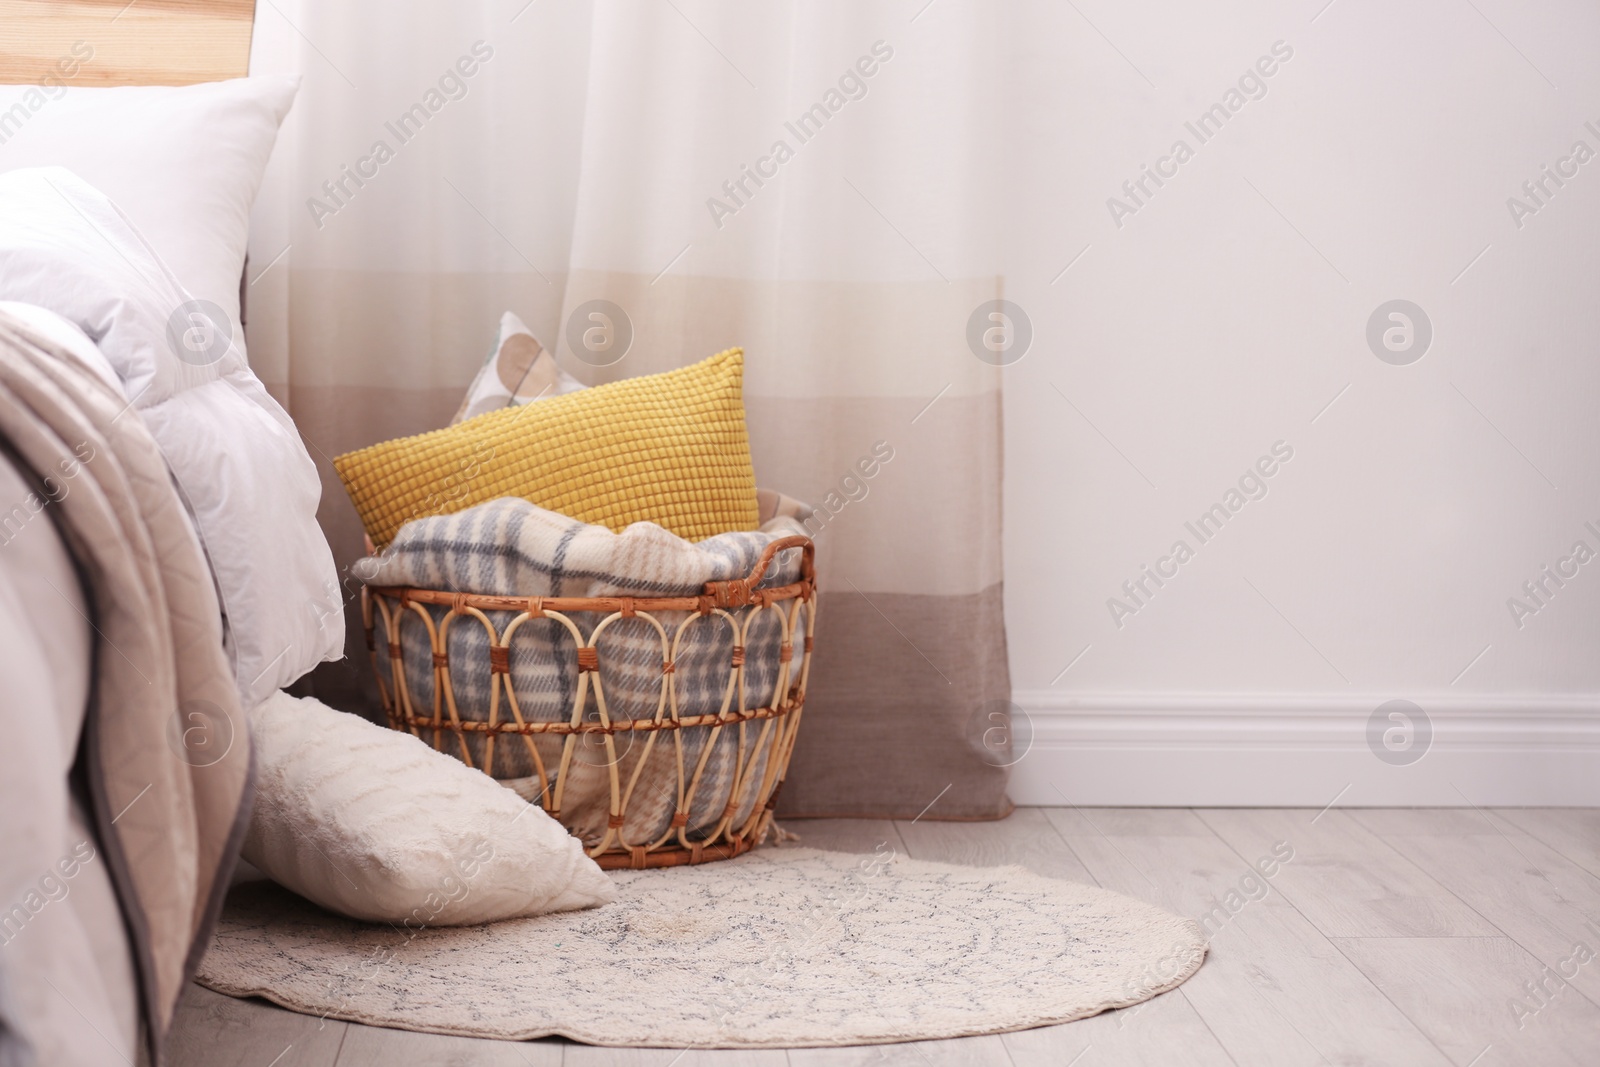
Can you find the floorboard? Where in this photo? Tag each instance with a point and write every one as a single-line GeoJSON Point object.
{"type": "Point", "coordinates": [595, 1056]}
{"type": "Point", "coordinates": [211, 1030]}
{"type": "Point", "coordinates": [1348, 881]}
{"type": "Point", "coordinates": [1273, 990]}
{"type": "Point", "coordinates": [1573, 832]}
{"type": "Point", "coordinates": [372, 1046]}
{"type": "Point", "coordinates": [845, 835]}
{"type": "Point", "coordinates": [1027, 839]}
{"type": "Point", "coordinates": [959, 1052]}
{"type": "Point", "coordinates": [1164, 1032]}
{"type": "Point", "coordinates": [1127, 822]}
{"type": "Point", "coordinates": [1398, 823]}
{"type": "Point", "coordinates": [1531, 893]}
{"type": "Point", "coordinates": [1463, 992]}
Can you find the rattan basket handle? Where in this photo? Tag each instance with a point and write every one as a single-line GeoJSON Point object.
{"type": "Point", "coordinates": [738, 592]}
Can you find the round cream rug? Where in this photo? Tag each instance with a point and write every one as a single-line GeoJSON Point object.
{"type": "Point", "coordinates": [784, 947]}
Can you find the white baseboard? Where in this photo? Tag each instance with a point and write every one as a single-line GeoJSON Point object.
{"type": "Point", "coordinates": [1296, 750]}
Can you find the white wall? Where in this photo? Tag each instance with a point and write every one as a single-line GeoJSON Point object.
{"type": "Point", "coordinates": [1224, 316]}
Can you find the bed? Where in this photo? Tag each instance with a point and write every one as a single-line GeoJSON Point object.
{"type": "Point", "coordinates": [161, 570]}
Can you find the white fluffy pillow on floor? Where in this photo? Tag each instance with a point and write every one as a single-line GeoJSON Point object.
{"type": "Point", "coordinates": [374, 824]}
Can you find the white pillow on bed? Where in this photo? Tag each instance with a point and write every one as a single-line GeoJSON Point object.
{"type": "Point", "coordinates": [184, 162]}
{"type": "Point", "coordinates": [374, 824]}
{"type": "Point", "coordinates": [234, 453]}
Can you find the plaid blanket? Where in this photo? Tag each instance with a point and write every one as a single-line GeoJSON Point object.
{"type": "Point", "coordinates": [513, 548]}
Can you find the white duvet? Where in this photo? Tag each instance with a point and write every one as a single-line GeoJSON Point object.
{"type": "Point", "coordinates": [235, 455]}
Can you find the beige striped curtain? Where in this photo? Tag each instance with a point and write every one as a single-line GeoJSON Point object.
{"type": "Point", "coordinates": [646, 184]}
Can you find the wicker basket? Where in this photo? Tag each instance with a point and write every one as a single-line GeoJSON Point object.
{"type": "Point", "coordinates": [702, 781]}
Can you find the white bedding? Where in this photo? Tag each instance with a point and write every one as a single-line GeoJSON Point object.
{"type": "Point", "coordinates": [186, 162]}
{"type": "Point", "coordinates": [59, 919]}
{"type": "Point", "coordinates": [234, 453]}
{"type": "Point", "coordinates": [183, 161]}
{"type": "Point", "coordinates": [60, 923]}
{"type": "Point", "coordinates": [129, 754]}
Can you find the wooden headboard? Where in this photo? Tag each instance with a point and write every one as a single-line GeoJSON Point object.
{"type": "Point", "coordinates": [145, 42]}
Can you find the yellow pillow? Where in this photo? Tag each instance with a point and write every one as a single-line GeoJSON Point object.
{"type": "Point", "coordinates": [668, 448]}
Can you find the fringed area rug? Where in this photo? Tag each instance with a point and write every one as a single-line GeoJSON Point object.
{"type": "Point", "coordinates": [784, 947]}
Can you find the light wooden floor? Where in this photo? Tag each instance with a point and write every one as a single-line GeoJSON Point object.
{"type": "Point", "coordinates": [1395, 937]}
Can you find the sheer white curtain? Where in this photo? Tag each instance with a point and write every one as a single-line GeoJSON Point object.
{"type": "Point", "coordinates": [814, 182]}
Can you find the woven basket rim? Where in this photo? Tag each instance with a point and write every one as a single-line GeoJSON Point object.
{"type": "Point", "coordinates": [625, 604]}
{"type": "Point", "coordinates": [733, 593]}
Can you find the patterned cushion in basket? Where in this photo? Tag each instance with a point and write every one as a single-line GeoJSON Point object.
{"type": "Point", "coordinates": [518, 370]}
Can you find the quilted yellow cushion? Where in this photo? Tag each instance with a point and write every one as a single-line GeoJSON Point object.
{"type": "Point", "coordinates": [665, 448]}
